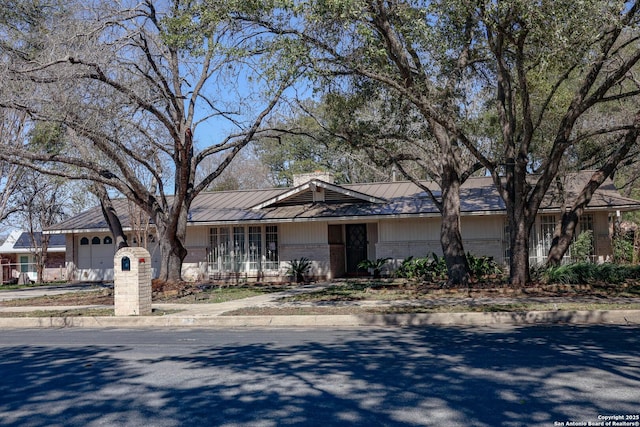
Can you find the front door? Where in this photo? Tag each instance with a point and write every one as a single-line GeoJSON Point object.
{"type": "Point", "coordinates": [356, 244]}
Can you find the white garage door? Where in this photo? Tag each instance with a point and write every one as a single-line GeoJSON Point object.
{"type": "Point", "coordinates": [95, 258]}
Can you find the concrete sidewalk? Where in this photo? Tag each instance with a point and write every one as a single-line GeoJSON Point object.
{"type": "Point", "coordinates": [214, 314]}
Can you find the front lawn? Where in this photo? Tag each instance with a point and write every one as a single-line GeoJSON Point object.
{"type": "Point", "coordinates": [434, 308]}
{"type": "Point", "coordinates": [359, 290]}
{"type": "Point", "coordinates": [185, 293]}
{"type": "Point", "coordinates": [364, 296]}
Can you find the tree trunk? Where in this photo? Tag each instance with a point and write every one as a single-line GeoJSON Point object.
{"type": "Point", "coordinates": [39, 249]}
{"type": "Point", "coordinates": [171, 223]}
{"type": "Point", "coordinates": [520, 223]}
{"type": "Point", "coordinates": [563, 239]}
{"type": "Point", "coordinates": [450, 235]}
{"type": "Point", "coordinates": [172, 255]}
{"type": "Point", "coordinates": [110, 215]}
{"type": "Point", "coordinates": [41, 259]}
{"type": "Point", "coordinates": [519, 260]}
{"type": "Point", "coordinates": [171, 260]}
{"type": "Point", "coordinates": [171, 244]}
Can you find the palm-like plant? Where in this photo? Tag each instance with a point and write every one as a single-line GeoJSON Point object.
{"type": "Point", "coordinates": [376, 265]}
{"type": "Point", "coordinates": [298, 268]}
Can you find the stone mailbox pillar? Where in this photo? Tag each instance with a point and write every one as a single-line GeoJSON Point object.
{"type": "Point", "coordinates": [132, 282]}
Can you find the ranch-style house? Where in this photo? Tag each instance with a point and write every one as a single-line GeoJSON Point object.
{"type": "Point", "coordinates": [253, 234]}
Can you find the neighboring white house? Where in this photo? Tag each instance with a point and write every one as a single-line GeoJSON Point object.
{"type": "Point", "coordinates": [17, 255]}
{"type": "Point", "coordinates": [254, 233]}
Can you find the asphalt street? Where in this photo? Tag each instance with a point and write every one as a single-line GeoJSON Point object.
{"type": "Point", "coordinates": [433, 376]}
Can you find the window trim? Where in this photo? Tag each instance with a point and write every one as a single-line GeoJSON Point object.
{"type": "Point", "coordinates": [226, 241]}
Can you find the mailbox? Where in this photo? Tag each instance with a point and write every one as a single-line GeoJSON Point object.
{"type": "Point", "coordinates": [132, 282]}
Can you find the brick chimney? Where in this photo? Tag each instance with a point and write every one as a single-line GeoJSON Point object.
{"type": "Point", "coordinates": [303, 178]}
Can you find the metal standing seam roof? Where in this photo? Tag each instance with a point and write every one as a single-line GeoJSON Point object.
{"type": "Point", "coordinates": [20, 242]}
{"type": "Point", "coordinates": [395, 199]}
{"type": "Point", "coordinates": [25, 241]}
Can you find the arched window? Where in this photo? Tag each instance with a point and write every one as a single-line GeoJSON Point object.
{"type": "Point", "coordinates": [84, 241]}
{"type": "Point", "coordinates": [108, 240]}
{"type": "Point", "coordinates": [95, 241]}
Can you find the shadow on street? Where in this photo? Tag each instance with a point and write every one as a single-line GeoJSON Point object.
{"type": "Point", "coordinates": [431, 376]}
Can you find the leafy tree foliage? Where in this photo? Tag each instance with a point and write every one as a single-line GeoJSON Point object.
{"type": "Point", "coordinates": [548, 72]}
{"type": "Point", "coordinates": [13, 129]}
{"type": "Point", "coordinates": [431, 88]}
{"type": "Point", "coordinates": [132, 83]}
{"type": "Point", "coordinates": [517, 85]}
{"type": "Point", "coordinates": [43, 201]}
{"type": "Point", "coordinates": [308, 142]}
{"type": "Point", "coordinates": [354, 46]}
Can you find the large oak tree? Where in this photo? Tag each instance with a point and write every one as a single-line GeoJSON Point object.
{"type": "Point", "coordinates": [548, 69]}
{"type": "Point", "coordinates": [392, 44]}
{"type": "Point", "coordinates": [148, 91]}
{"type": "Point", "coordinates": [533, 74]}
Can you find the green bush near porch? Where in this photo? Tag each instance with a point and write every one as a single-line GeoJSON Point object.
{"type": "Point", "coordinates": [587, 272]}
{"type": "Point", "coordinates": [435, 268]}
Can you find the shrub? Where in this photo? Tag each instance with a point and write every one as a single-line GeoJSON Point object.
{"type": "Point", "coordinates": [438, 267]}
{"type": "Point", "coordinates": [298, 269]}
{"type": "Point", "coordinates": [560, 274]}
{"type": "Point", "coordinates": [376, 265]}
{"type": "Point", "coordinates": [482, 266]}
{"type": "Point", "coordinates": [586, 272]}
{"type": "Point", "coordinates": [582, 248]}
{"type": "Point", "coordinates": [429, 268]}
{"type": "Point", "coordinates": [409, 268]}
{"type": "Point", "coordinates": [622, 250]}
{"type": "Point", "coordinates": [435, 268]}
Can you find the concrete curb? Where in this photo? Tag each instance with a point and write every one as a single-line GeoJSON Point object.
{"type": "Point", "coordinates": [586, 317]}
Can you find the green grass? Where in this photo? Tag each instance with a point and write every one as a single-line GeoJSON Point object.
{"type": "Point", "coordinates": [586, 272]}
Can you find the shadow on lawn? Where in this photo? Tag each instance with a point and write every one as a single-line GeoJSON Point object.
{"type": "Point", "coordinates": [431, 376]}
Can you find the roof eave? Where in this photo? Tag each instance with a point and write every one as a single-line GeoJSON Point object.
{"type": "Point", "coordinates": [86, 230]}
{"type": "Point", "coordinates": [56, 249]}
{"type": "Point", "coordinates": [350, 193]}
{"type": "Point", "coordinates": [317, 183]}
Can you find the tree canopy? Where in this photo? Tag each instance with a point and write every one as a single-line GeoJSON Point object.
{"type": "Point", "coordinates": [147, 91]}
{"type": "Point", "coordinates": [158, 97]}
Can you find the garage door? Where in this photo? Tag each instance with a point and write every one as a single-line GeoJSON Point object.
{"type": "Point", "coordinates": [95, 258]}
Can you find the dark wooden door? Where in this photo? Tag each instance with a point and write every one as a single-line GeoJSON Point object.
{"type": "Point", "coordinates": [356, 243]}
